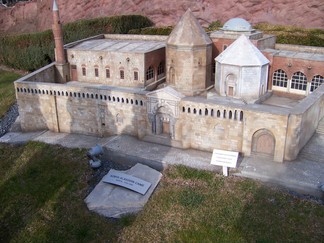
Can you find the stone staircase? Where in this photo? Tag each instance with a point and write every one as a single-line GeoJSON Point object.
{"type": "Point", "coordinates": [314, 149]}
{"type": "Point", "coordinates": [320, 127]}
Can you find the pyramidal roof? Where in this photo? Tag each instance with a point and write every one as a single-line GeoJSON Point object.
{"type": "Point", "coordinates": [188, 32]}
{"type": "Point", "coordinates": [242, 53]}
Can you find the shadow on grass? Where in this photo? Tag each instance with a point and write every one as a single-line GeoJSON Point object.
{"type": "Point", "coordinates": [42, 199]}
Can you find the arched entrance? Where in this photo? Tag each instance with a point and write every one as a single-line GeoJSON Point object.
{"type": "Point", "coordinates": [263, 143]}
{"type": "Point", "coordinates": [230, 85]}
{"type": "Point", "coordinates": [164, 122]}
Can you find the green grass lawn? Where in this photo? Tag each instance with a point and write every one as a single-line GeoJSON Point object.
{"type": "Point", "coordinates": [7, 91]}
{"type": "Point", "coordinates": [41, 196]}
{"type": "Point", "coordinates": [42, 188]}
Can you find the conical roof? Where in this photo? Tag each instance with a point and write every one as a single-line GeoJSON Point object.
{"type": "Point", "coordinates": [242, 53]}
{"type": "Point", "coordinates": [188, 32]}
{"type": "Point", "coordinates": [55, 8]}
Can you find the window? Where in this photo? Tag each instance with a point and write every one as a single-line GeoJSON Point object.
{"type": "Point", "coordinates": [299, 81]}
{"type": "Point", "coordinates": [96, 72]}
{"type": "Point", "coordinates": [224, 47]}
{"type": "Point", "coordinates": [84, 71]}
{"type": "Point", "coordinates": [150, 73]}
{"type": "Point", "coordinates": [316, 82]}
{"type": "Point", "coordinates": [135, 75]}
{"type": "Point", "coordinates": [160, 68]}
{"type": "Point", "coordinates": [280, 78]}
{"type": "Point", "coordinates": [122, 74]}
{"type": "Point", "coordinates": [107, 73]}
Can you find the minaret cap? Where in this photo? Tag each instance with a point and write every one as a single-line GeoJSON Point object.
{"type": "Point", "coordinates": [55, 8]}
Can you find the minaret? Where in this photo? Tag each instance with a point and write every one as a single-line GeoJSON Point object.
{"type": "Point", "coordinates": [58, 35]}
{"type": "Point", "coordinates": [61, 63]}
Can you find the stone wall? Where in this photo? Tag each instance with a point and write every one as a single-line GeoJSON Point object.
{"type": "Point", "coordinates": [75, 109]}
{"type": "Point", "coordinates": [201, 123]}
{"type": "Point", "coordinates": [34, 15]}
{"type": "Point", "coordinates": [211, 126]}
{"type": "Point", "coordinates": [303, 122]}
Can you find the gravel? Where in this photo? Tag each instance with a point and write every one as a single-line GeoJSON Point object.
{"type": "Point", "coordinates": [8, 119]}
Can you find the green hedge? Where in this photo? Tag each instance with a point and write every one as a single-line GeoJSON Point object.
{"type": "Point", "coordinates": [294, 35]}
{"type": "Point", "coordinates": [32, 51]}
{"type": "Point", "coordinates": [152, 31]}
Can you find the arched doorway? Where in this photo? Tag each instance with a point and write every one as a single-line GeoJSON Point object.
{"type": "Point", "coordinates": [230, 85]}
{"type": "Point", "coordinates": [164, 122]}
{"type": "Point", "coordinates": [263, 143]}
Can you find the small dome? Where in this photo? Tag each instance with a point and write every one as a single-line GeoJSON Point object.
{"type": "Point", "coordinates": [237, 24]}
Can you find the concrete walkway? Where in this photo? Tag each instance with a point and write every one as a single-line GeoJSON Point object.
{"type": "Point", "coordinates": [303, 176]}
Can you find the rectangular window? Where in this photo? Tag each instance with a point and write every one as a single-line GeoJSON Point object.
{"type": "Point", "coordinates": [96, 72]}
{"type": "Point", "coordinates": [122, 75]}
{"type": "Point", "coordinates": [136, 76]}
{"type": "Point", "coordinates": [84, 72]}
{"type": "Point", "coordinates": [107, 73]}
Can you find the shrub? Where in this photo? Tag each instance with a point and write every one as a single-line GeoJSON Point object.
{"type": "Point", "coordinates": [152, 31]}
{"type": "Point", "coordinates": [32, 51]}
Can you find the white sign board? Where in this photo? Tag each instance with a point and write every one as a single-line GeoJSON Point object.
{"type": "Point", "coordinates": [130, 182]}
{"type": "Point", "coordinates": [224, 158]}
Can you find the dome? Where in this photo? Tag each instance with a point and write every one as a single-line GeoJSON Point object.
{"type": "Point", "coordinates": [237, 24]}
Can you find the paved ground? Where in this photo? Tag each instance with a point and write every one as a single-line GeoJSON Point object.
{"type": "Point", "coordinates": [303, 176]}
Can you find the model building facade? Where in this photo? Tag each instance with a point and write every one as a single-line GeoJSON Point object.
{"type": "Point", "coordinates": [233, 89]}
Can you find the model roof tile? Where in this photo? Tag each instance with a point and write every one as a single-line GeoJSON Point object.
{"type": "Point", "coordinates": [188, 32]}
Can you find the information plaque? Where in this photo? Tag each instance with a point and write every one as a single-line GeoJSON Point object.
{"type": "Point", "coordinates": [130, 182]}
{"type": "Point", "coordinates": [224, 158]}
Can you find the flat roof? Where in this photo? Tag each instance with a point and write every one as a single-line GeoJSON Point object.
{"type": "Point", "coordinates": [113, 45]}
{"type": "Point", "coordinates": [296, 54]}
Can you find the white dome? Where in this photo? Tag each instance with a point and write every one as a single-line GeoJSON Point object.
{"type": "Point", "coordinates": [237, 24]}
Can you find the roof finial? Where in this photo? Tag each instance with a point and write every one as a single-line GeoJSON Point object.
{"type": "Point", "coordinates": [55, 8]}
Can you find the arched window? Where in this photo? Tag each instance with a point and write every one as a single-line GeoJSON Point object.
{"type": "Point", "coordinates": [160, 69]}
{"type": "Point", "coordinates": [280, 78]}
{"type": "Point", "coordinates": [84, 71]}
{"type": "Point", "coordinates": [107, 72]}
{"type": "Point", "coordinates": [150, 73]}
{"type": "Point", "coordinates": [206, 112]}
{"type": "Point", "coordinates": [316, 82]}
{"type": "Point", "coordinates": [299, 81]}
{"type": "Point", "coordinates": [122, 74]}
{"type": "Point", "coordinates": [96, 71]}
{"type": "Point", "coordinates": [135, 75]}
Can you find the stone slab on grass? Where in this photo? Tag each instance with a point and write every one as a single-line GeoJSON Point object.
{"type": "Point", "coordinates": [115, 201]}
